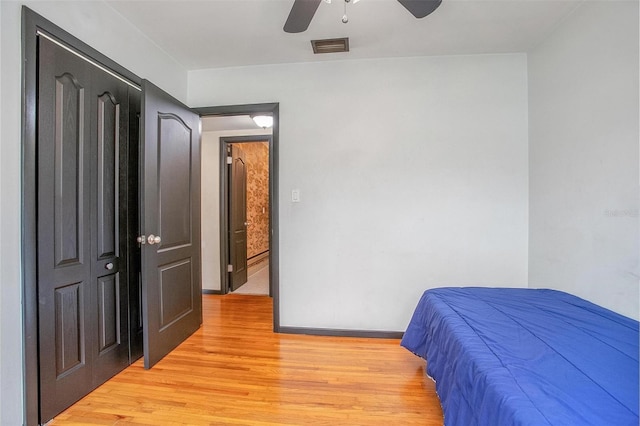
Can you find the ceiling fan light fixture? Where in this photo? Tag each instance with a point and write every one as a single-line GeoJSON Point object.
{"type": "Point", "coordinates": [302, 12]}
{"type": "Point", "coordinates": [346, 1]}
{"type": "Point", "coordinates": [263, 120]}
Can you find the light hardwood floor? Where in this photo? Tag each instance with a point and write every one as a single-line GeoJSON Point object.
{"type": "Point", "coordinates": [235, 371]}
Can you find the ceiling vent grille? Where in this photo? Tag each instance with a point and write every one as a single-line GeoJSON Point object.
{"type": "Point", "coordinates": [330, 45]}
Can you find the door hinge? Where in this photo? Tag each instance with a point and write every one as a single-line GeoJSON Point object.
{"type": "Point", "coordinates": [229, 160]}
{"type": "Point", "coordinates": [229, 268]}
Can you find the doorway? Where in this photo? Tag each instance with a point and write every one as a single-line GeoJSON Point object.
{"type": "Point", "coordinates": [245, 198]}
{"type": "Point", "coordinates": [234, 126]}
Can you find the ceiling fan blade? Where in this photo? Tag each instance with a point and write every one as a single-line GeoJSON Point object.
{"type": "Point", "coordinates": [420, 8]}
{"type": "Point", "coordinates": [300, 16]}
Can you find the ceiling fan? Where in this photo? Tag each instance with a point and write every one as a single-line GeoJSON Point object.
{"type": "Point", "coordinates": [303, 10]}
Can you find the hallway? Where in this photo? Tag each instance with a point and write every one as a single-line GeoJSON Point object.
{"type": "Point", "coordinates": [258, 280]}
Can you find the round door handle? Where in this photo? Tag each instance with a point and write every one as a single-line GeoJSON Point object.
{"type": "Point", "coordinates": [154, 239]}
{"type": "Point", "coordinates": [108, 266]}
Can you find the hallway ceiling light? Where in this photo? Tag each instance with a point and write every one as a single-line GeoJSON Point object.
{"type": "Point", "coordinates": [264, 121]}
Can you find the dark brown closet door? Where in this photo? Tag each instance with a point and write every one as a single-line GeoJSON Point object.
{"type": "Point", "coordinates": [171, 286]}
{"type": "Point", "coordinates": [64, 229]}
{"type": "Point", "coordinates": [110, 124]}
{"type": "Point", "coordinates": [82, 316]}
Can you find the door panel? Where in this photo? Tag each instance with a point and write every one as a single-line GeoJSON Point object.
{"type": "Point", "coordinates": [238, 217]}
{"type": "Point", "coordinates": [176, 287]}
{"type": "Point", "coordinates": [70, 329]}
{"type": "Point", "coordinates": [108, 145]}
{"type": "Point", "coordinates": [109, 335]}
{"type": "Point", "coordinates": [110, 127]}
{"type": "Point", "coordinates": [175, 145]}
{"type": "Point", "coordinates": [63, 227]}
{"type": "Point", "coordinates": [82, 318]}
{"type": "Point", "coordinates": [69, 168]}
{"type": "Point", "coordinates": [171, 287]}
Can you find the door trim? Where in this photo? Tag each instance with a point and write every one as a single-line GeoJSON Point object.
{"type": "Point", "coordinates": [31, 24]}
{"type": "Point", "coordinates": [224, 205]}
{"type": "Point", "coordinates": [274, 237]}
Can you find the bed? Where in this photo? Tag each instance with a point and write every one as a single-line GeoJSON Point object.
{"type": "Point", "coordinates": [509, 356]}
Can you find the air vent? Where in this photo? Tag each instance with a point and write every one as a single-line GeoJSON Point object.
{"type": "Point", "coordinates": [330, 45]}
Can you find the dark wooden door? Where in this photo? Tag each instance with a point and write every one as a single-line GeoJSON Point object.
{"type": "Point", "coordinates": [82, 312]}
{"type": "Point", "coordinates": [238, 217]}
{"type": "Point", "coordinates": [171, 286]}
{"type": "Point", "coordinates": [110, 125]}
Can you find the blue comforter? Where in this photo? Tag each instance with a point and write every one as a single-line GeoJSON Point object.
{"type": "Point", "coordinates": [526, 357]}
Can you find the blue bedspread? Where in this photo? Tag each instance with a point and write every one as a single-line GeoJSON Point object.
{"type": "Point", "coordinates": [526, 357]}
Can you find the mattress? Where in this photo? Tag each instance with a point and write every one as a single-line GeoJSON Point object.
{"type": "Point", "coordinates": [506, 356]}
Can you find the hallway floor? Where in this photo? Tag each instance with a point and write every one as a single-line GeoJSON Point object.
{"type": "Point", "coordinates": [257, 281]}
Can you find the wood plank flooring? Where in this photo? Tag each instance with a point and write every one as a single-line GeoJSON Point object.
{"type": "Point", "coordinates": [235, 371]}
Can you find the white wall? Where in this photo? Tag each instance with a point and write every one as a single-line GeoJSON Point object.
{"type": "Point", "coordinates": [412, 172]}
{"type": "Point", "coordinates": [15, 387]}
{"type": "Point", "coordinates": [210, 202]}
{"type": "Point", "coordinates": [583, 117]}
{"type": "Point", "coordinates": [91, 22]}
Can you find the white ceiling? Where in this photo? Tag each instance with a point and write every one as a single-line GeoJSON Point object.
{"type": "Point", "coordinates": [224, 33]}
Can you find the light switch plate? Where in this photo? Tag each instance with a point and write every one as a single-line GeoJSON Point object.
{"type": "Point", "coordinates": [295, 195]}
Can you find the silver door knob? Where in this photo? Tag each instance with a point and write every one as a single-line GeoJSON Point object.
{"type": "Point", "coordinates": [141, 239]}
{"type": "Point", "coordinates": [109, 266]}
{"type": "Point", "coordinates": [154, 239]}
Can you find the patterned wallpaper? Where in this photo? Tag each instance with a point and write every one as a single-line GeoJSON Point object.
{"type": "Point", "coordinates": [257, 157]}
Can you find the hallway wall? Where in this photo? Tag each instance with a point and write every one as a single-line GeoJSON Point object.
{"type": "Point", "coordinates": [257, 157]}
